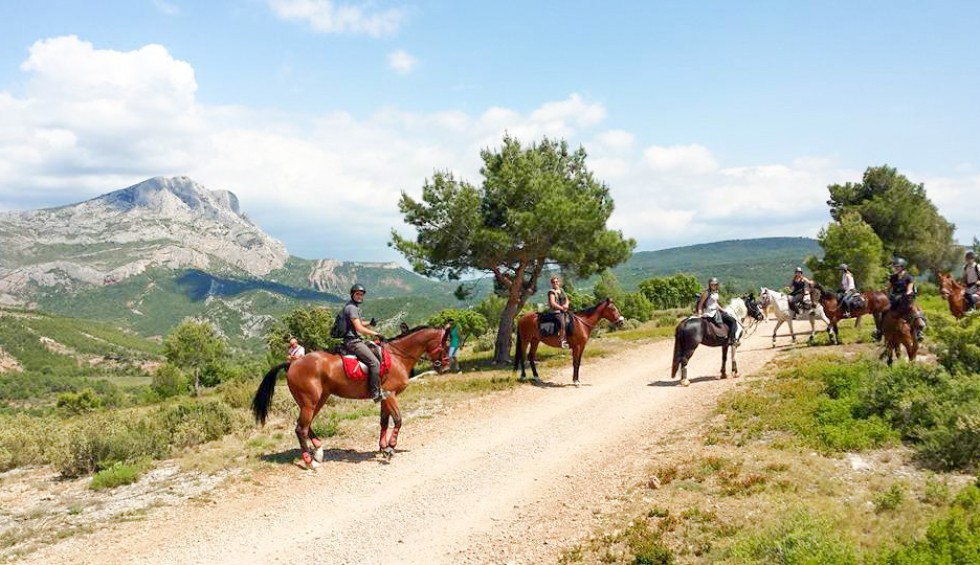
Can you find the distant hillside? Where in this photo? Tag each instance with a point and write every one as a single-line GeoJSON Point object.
{"type": "Point", "coordinates": [745, 264]}
{"type": "Point", "coordinates": [147, 256]}
{"type": "Point", "coordinates": [46, 343]}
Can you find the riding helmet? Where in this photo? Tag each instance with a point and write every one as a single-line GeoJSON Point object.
{"type": "Point", "coordinates": [970, 254]}
{"type": "Point", "coordinates": [843, 267]}
{"type": "Point", "coordinates": [357, 288]}
{"type": "Point", "coordinates": [712, 280]}
{"type": "Point", "coordinates": [898, 262]}
{"type": "Point", "coordinates": [799, 270]}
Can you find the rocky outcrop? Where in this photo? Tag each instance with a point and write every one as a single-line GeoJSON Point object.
{"type": "Point", "coordinates": [161, 222]}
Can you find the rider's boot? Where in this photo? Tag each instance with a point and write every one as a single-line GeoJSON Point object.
{"type": "Point", "coordinates": [374, 384]}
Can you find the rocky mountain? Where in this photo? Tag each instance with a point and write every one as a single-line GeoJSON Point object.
{"type": "Point", "coordinates": [161, 222]}
{"type": "Point", "coordinates": [148, 255]}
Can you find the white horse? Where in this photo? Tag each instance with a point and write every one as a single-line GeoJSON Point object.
{"type": "Point", "coordinates": [780, 304]}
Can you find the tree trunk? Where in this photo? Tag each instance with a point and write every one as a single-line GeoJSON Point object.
{"type": "Point", "coordinates": [501, 348]}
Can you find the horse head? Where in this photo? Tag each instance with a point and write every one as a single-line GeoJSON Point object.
{"type": "Point", "coordinates": [765, 297]}
{"type": "Point", "coordinates": [946, 285]}
{"type": "Point", "coordinates": [611, 313]}
{"type": "Point", "coordinates": [432, 342]}
{"type": "Point", "coordinates": [753, 307]}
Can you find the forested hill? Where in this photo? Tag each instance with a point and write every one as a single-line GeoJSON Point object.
{"type": "Point", "coordinates": [745, 264]}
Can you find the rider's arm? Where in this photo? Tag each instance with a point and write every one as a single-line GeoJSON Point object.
{"type": "Point", "coordinates": [360, 328]}
{"type": "Point", "coordinates": [699, 309]}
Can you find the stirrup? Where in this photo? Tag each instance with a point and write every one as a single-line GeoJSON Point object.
{"type": "Point", "coordinates": [382, 394]}
{"type": "Point", "coordinates": [564, 344]}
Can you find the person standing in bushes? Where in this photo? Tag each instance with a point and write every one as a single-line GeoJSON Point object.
{"type": "Point", "coordinates": [295, 350]}
{"type": "Point", "coordinates": [454, 344]}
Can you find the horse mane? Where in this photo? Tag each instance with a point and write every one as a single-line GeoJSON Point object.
{"type": "Point", "coordinates": [411, 331]}
{"type": "Point", "coordinates": [588, 311]}
{"type": "Point", "coordinates": [952, 280]}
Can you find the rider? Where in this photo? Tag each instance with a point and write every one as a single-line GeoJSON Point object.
{"type": "Point", "coordinates": [354, 344]}
{"type": "Point", "coordinates": [295, 350]}
{"type": "Point", "coordinates": [559, 303]}
{"type": "Point", "coordinates": [709, 307]}
{"type": "Point", "coordinates": [847, 289]}
{"type": "Point", "coordinates": [971, 278]}
{"type": "Point", "coordinates": [901, 295]}
{"type": "Point", "coordinates": [798, 286]}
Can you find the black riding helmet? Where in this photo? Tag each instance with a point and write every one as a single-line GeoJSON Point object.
{"type": "Point", "coordinates": [357, 288]}
{"type": "Point", "coordinates": [970, 254]}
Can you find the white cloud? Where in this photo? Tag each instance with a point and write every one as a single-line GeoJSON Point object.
{"type": "Point", "coordinates": [326, 16]}
{"type": "Point", "coordinates": [168, 8]}
{"type": "Point", "coordinates": [92, 120]}
{"type": "Point", "coordinates": [680, 159]}
{"type": "Point", "coordinates": [401, 62]}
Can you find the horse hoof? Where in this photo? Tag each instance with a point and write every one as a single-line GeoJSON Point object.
{"type": "Point", "coordinates": [318, 454]}
{"type": "Point", "coordinates": [724, 376]}
{"type": "Point", "coordinates": [576, 384]}
{"type": "Point", "coordinates": [388, 452]}
{"type": "Point", "coordinates": [522, 379]}
{"type": "Point", "coordinates": [685, 382]}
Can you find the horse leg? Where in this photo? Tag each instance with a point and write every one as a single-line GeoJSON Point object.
{"type": "Point", "coordinates": [532, 353]}
{"type": "Point", "coordinates": [396, 415]}
{"type": "Point", "coordinates": [779, 322]}
{"type": "Point", "coordinates": [314, 439]}
{"type": "Point", "coordinates": [385, 418]}
{"type": "Point", "coordinates": [792, 334]}
{"type": "Point", "coordinates": [576, 362]}
{"type": "Point", "coordinates": [724, 360]}
{"type": "Point", "coordinates": [685, 357]}
{"type": "Point", "coordinates": [303, 435]}
{"type": "Point", "coordinates": [519, 356]}
{"type": "Point", "coordinates": [734, 364]}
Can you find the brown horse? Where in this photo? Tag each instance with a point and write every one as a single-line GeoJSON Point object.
{"type": "Point", "coordinates": [955, 294]}
{"type": "Point", "coordinates": [528, 336]}
{"type": "Point", "coordinates": [314, 377]}
{"type": "Point", "coordinates": [897, 331]}
{"type": "Point", "coordinates": [875, 303]}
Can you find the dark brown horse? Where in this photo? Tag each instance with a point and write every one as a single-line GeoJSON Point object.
{"type": "Point", "coordinates": [696, 330]}
{"type": "Point", "coordinates": [529, 335]}
{"type": "Point", "coordinates": [954, 293]}
{"type": "Point", "coordinates": [897, 332]}
{"type": "Point", "coordinates": [875, 303]}
{"type": "Point", "coordinates": [316, 376]}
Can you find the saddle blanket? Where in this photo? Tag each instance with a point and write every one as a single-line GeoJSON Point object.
{"type": "Point", "coordinates": [358, 371]}
{"type": "Point", "coordinates": [548, 324]}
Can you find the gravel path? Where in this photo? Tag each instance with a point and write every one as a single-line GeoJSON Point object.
{"type": "Point", "coordinates": [514, 479]}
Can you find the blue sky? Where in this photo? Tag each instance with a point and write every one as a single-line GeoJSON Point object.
{"type": "Point", "coordinates": [708, 120]}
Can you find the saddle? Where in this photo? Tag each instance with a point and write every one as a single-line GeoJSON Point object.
{"type": "Point", "coordinates": [715, 330]}
{"type": "Point", "coordinates": [548, 324]}
{"type": "Point", "coordinates": [358, 371]}
{"type": "Point", "coordinates": [852, 301]}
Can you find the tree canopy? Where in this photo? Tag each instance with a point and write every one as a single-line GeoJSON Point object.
{"type": "Point", "coordinates": [900, 213]}
{"type": "Point", "coordinates": [853, 242]}
{"type": "Point", "coordinates": [196, 346]}
{"type": "Point", "coordinates": [537, 206]}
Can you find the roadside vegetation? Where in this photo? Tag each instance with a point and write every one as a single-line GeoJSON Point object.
{"type": "Point", "coordinates": [830, 457]}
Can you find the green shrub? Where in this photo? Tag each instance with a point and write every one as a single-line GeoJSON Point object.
{"type": "Point", "coordinates": [79, 402]}
{"type": "Point", "coordinates": [890, 499]}
{"type": "Point", "coordinates": [958, 345]}
{"type": "Point", "coordinates": [24, 440]}
{"type": "Point", "coordinates": [169, 380]}
{"type": "Point", "coordinates": [117, 474]}
{"type": "Point", "coordinates": [799, 539]}
{"type": "Point", "coordinates": [954, 538]}
{"type": "Point", "coordinates": [194, 423]}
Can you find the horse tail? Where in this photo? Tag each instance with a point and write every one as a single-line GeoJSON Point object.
{"type": "Point", "coordinates": [518, 353]}
{"type": "Point", "coordinates": [263, 396]}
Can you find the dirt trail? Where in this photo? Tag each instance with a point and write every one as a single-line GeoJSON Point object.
{"type": "Point", "coordinates": [513, 480]}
